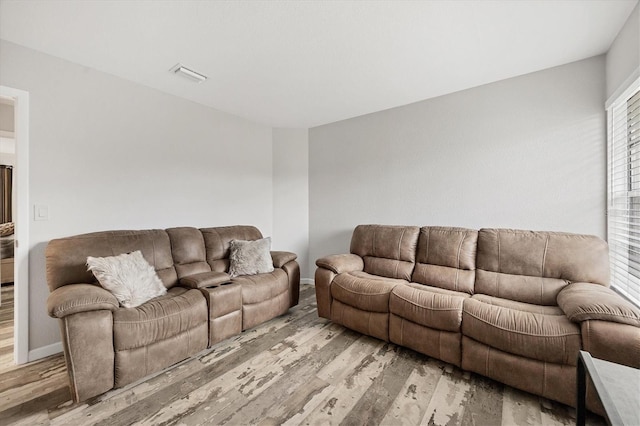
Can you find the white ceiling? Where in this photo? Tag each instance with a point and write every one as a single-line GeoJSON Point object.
{"type": "Point", "coordinates": [306, 63]}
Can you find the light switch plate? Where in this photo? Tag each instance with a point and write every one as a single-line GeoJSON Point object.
{"type": "Point", "coordinates": [40, 212]}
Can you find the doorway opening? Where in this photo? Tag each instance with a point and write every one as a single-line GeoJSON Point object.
{"type": "Point", "coordinates": [7, 230]}
{"type": "Point", "coordinates": [14, 227]}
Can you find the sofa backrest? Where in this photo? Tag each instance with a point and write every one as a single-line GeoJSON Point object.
{"type": "Point", "coordinates": [533, 267]}
{"type": "Point", "coordinates": [446, 258]}
{"type": "Point", "coordinates": [66, 258]}
{"type": "Point", "coordinates": [387, 250]}
{"type": "Point", "coordinates": [217, 241]}
{"type": "Point", "coordinates": [188, 250]}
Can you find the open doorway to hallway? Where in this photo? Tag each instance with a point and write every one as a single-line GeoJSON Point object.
{"type": "Point", "coordinates": [14, 227]}
{"type": "Point", "coordinates": [7, 230]}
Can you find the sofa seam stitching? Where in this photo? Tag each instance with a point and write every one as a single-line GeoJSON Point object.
{"type": "Point", "coordinates": [366, 294]}
{"type": "Point", "coordinates": [400, 244]}
{"type": "Point", "coordinates": [426, 260]}
{"type": "Point", "coordinates": [149, 320]}
{"type": "Point", "coordinates": [487, 363]}
{"type": "Point", "coordinates": [544, 260]}
{"type": "Point", "coordinates": [586, 311]}
{"type": "Point", "coordinates": [460, 249]}
{"type": "Point", "coordinates": [373, 241]}
{"type": "Point", "coordinates": [588, 336]}
{"type": "Point", "coordinates": [498, 240]}
{"type": "Point", "coordinates": [425, 307]}
{"type": "Point", "coordinates": [75, 386]}
{"type": "Point", "coordinates": [59, 310]}
{"type": "Point", "coordinates": [520, 332]}
{"type": "Point", "coordinates": [399, 251]}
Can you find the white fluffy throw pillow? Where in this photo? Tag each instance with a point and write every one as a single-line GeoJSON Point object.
{"type": "Point", "coordinates": [128, 276]}
{"type": "Point", "coordinates": [250, 257]}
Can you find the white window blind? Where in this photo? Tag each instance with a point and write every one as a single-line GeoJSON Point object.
{"type": "Point", "coordinates": [624, 192]}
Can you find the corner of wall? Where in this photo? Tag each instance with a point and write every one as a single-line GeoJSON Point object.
{"type": "Point", "coordinates": [623, 57]}
{"type": "Point", "coordinates": [291, 193]}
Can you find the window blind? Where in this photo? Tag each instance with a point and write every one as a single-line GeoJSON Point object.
{"type": "Point", "coordinates": [623, 213]}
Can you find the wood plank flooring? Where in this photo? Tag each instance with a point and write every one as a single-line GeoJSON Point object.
{"type": "Point", "coordinates": [6, 326]}
{"type": "Point", "coordinates": [295, 369]}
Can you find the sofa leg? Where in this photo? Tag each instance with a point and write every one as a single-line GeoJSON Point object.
{"type": "Point", "coordinates": [88, 348]}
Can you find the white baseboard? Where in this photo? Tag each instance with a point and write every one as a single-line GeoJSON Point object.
{"type": "Point", "coordinates": [307, 281]}
{"type": "Point", "coordinates": [45, 351]}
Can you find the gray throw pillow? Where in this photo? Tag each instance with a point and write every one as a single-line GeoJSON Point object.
{"type": "Point", "coordinates": [128, 276]}
{"type": "Point", "coordinates": [250, 257]}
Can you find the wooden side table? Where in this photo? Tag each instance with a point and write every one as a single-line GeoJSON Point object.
{"type": "Point", "coordinates": [617, 386]}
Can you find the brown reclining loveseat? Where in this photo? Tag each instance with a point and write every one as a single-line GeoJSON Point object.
{"type": "Point", "coordinates": [512, 305]}
{"type": "Point", "coordinates": [109, 346]}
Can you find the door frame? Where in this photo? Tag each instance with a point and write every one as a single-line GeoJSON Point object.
{"type": "Point", "coordinates": [21, 251]}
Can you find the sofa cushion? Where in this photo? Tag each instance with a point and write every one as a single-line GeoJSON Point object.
{"type": "Point", "coordinates": [187, 248]}
{"type": "Point", "coordinates": [518, 306]}
{"type": "Point", "coordinates": [548, 336]}
{"type": "Point", "coordinates": [533, 267]}
{"type": "Point", "coordinates": [523, 288]}
{"type": "Point", "coordinates": [159, 319]}
{"type": "Point", "coordinates": [7, 228]}
{"type": "Point", "coordinates": [570, 257]}
{"type": "Point", "coordinates": [364, 291]}
{"type": "Point", "coordinates": [217, 241]}
{"type": "Point", "coordinates": [388, 251]}
{"type": "Point", "coordinates": [261, 287]}
{"type": "Point", "coordinates": [446, 258]}
{"type": "Point", "coordinates": [67, 257]}
{"type": "Point", "coordinates": [428, 306]}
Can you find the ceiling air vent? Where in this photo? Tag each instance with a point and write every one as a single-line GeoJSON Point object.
{"type": "Point", "coordinates": [185, 72]}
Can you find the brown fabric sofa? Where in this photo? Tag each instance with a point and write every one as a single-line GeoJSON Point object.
{"type": "Point", "coordinates": [512, 305]}
{"type": "Point", "coordinates": [108, 346]}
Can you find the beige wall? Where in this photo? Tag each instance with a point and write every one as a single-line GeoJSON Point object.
{"type": "Point", "coordinates": [106, 153]}
{"type": "Point", "coordinates": [291, 194]}
{"type": "Point", "coordinates": [527, 152]}
{"type": "Point", "coordinates": [623, 58]}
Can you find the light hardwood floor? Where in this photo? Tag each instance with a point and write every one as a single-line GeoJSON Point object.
{"type": "Point", "coordinates": [295, 369]}
{"type": "Point", "coordinates": [6, 326]}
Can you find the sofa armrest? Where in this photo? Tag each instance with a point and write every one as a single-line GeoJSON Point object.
{"type": "Point", "coordinates": [293, 275]}
{"type": "Point", "coordinates": [282, 257]}
{"type": "Point", "coordinates": [205, 279]}
{"type": "Point", "coordinates": [87, 340]}
{"type": "Point", "coordinates": [340, 263]}
{"type": "Point", "coordinates": [74, 298]}
{"type": "Point", "coordinates": [585, 301]}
